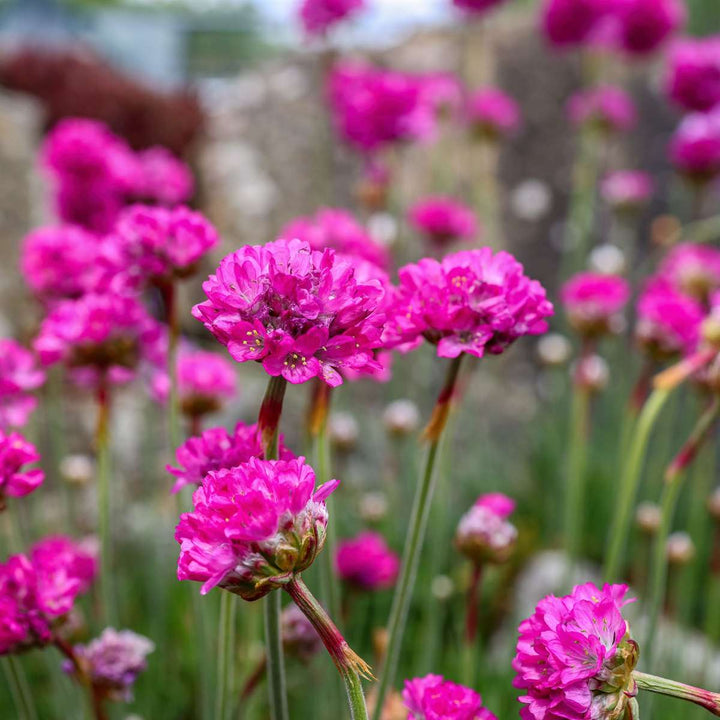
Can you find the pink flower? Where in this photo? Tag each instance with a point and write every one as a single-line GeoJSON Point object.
{"type": "Point", "coordinates": [645, 24]}
{"type": "Point", "coordinates": [434, 698]}
{"type": "Point", "coordinates": [592, 301]}
{"type": "Point", "coordinates": [571, 22]}
{"type": "Point", "coordinates": [16, 480]}
{"type": "Point", "coordinates": [692, 269]}
{"type": "Point", "coordinates": [367, 562]}
{"type": "Point", "coordinates": [668, 322]}
{"type": "Point", "coordinates": [339, 230]}
{"type": "Point", "coordinates": [163, 178]}
{"type": "Point", "coordinates": [216, 449]}
{"type": "Point", "coordinates": [19, 375]}
{"type": "Point", "coordinates": [491, 113]}
{"type": "Point", "coordinates": [695, 146]}
{"type": "Point", "coordinates": [484, 533]}
{"type": "Point", "coordinates": [476, 7]}
{"type": "Point", "coordinates": [78, 558]}
{"type": "Point", "coordinates": [444, 92]}
{"type": "Point", "coordinates": [575, 657]}
{"type": "Point", "coordinates": [373, 108]}
{"type": "Point", "coordinates": [302, 313]}
{"type": "Point", "coordinates": [472, 301]}
{"type": "Point", "coordinates": [443, 220]}
{"type": "Point", "coordinates": [299, 637]}
{"type": "Point", "coordinates": [627, 189]}
{"type": "Point", "coordinates": [608, 108]}
{"type": "Point", "coordinates": [318, 16]}
{"type": "Point", "coordinates": [693, 74]}
{"type": "Point", "coordinates": [254, 527]}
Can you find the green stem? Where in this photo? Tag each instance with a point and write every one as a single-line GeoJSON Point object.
{"type": "Point", "coordinates": [170, 296]}
{"type": "Point", "coordinates": [226, 645]}
{"type": "Point", "coordinates": [275, 659]}
{"type": "Point", "coordinates": [415, 536]}
{"type": "Point", "coordinates": [706, 699]}
{"type": "Point", "coordinates": [19, 688]}
{"type": "Point", "coordinates": [629, 482]}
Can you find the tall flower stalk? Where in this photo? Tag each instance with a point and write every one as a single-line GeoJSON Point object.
{"type": "Point", "coordinates": [104, 483]}
{"type": "Point", "coordinates": [19, 688]}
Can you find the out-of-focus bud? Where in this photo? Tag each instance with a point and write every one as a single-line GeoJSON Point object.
{"type": "Point", "coordinates": [484, 533]}
{"type": "Point", "coordinates": [380, 643]}
{"type": "Point", "coordinates": [648, 517]}
{"type": "Point", "coordinates": [343, 431]}
{"type": "Point", "coordinates": [383, 227]}
{"type": "Point", "coordinates": [401, 417]}
{"type": "Point", "coordinates": [299, 637]}
{"type": "Point", "coordinates": [77, 469]}
{"type": "Point", "coordinates": [714, 504]}
{"type": "Point", "coordinates": [372, 189]}
{"type": "Point", "coordinates": [592, 373]}
{"type": "Point", "coordinates": [607, 259]}
{"type": "Point", "coordinates": [393, 709]}
{"type": "Point", "coordinates": [373, 507]}
{"type": "Point", "coordinates": [554, 349]}
{"type": "Point", "coordinates": [680, 548]}
{"type": "Point", "coordinates": [531, 200]}
{"type": "Point", "coordinates": [442, 587]}
{"type": "Point", "coordinates": [665, 230]}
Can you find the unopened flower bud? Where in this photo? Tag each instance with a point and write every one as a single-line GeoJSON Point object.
{"type": "Point", "coordinates": [607, 259]}
{"type": "Point", "coordinates": [299, 637]}
{"type": "Point", "coordinates": [591, 373]}
{"type": "Point", "coordinates": [714, 504]}
{"type": "Point", "coordinates": [77, 469]}
{"type": "Point", "coordinates": [401, 417]}
{"type": "Point", "coordinates": [648, 517]}
{"type": "Point", "coordinates": [380, 641]}
{"type": "Point", "coordinates": [373, 507]}
{"type": "Point", "coordinates": [680, 548]}
{"type": "Point", "coordinates": [343, 431]}
{"type": "Point", "coordinates": [592, 300]}
{"type": "Point", "coordinates": [442, 587]}
{"type": "Point", "coordinates": [554, 349]}
{"type": "Point", "coordinates": [484, 533]}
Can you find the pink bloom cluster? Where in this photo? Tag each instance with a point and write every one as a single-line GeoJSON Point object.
{"type": "Point", "coordinates": [668, 322]}
{"type": "Point", "coordinates": [96, 173]}
{"type": "Point", "coordinates": [636, 27]}
{"type": "Point", "coordinates": [575, 658]}
{"type": "Point", "coordinates": [695, 146]}
{"type": "Point", "coordinates": [693, 269]}
{"type": "Point", "coordinates": [318, 16]}
{"type": "Point", "coordinates": [473, 301]}
{"type": "Point", "coordinates": [434, 698]}
{"type": "Point", "coordinates": [216, 449]}
{"type": "Point", "coordinates": [627, 189]}
{"type": "Point", "coordinates": [16, 480]}
{"type": "Point", "coordinates": [366, 562]}
{"type": "Point", "coordinates": [299, 637]}
{"type": "Point", "coordinates": [476, 6]}
{"type": "Point", "coordinates": [492, 113]}
{"type": "Point", "coordinates": [301, 312]}
{"type": "Point", "coordinates": [443, 220]}
{"type": "Point", "coordinates": [593, 301]}
{"type": "Point", "coordinates": [337, 229]}
{"type": "Point", "coordinates": [112, 662]}
{"type": "Point", "coordinates": [254, 526]}
{"type": "Point", "coordinates": [37, 591]}
{"type": "Point", "coordinates": [444, 92]}
{"type": "Point", "coordinates": [693, 76]}
{"type": "Point", "coordinates": [19, 376]}
{"type": "Point", "coordinates": [484, 533]}
{"type": "Point", "coordinates": [373, 108]}
{"type": "Point", "coordinates": [606, 107]}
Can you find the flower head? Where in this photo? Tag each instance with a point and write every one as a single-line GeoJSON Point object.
{"type": "Point", "coordinates": [476, 7]}
{"type": "Point", "coordinates": [254, 527]}
{"type": "Point", "coordinates": [593, 301]}
{"type": "Point", "coordinates": [626, 190]}
{"type": "Point", "coordinates": [318, 16]}
{"type": "Point", "coordinates": [19, 375]}
{"type": "Point", "coordinates": [484, 533]}
{"type": "Point", "coordinates": [163, 178]}
{"type": "Point", "coordinates": [693, 269]}
{"type": "Point", "coordinates": [643, 25]}
{"type": "Point", "coordinates": [299, 637]}
{"type": "Point", "coordinates": [17, 480]}
{"type": "Point", "coordinates": [434, 698]}
{"type": "Point", "coordinates": [473, 301]}
{"type": "Point", "coordinates": [216, 449]}
{"type": "Point", "coordinates": [608, 108]}
{"type": "Point", "coordinates": [571, 22]}
{"type": "Point", "coordinates": [302, 313]}
{"type": "Point", "coordinates": [575, 657]}
{"type": "Point", "coordinates": [693, 74]}
{"type": "Point", "coordinates": [492, 113]}
{"type": "Point", "coordinates": [695, 146]}
{"type": "Point", "coordinates": [444, 92]}
{"type": "Point", "coordinates": [367, 562]}
{"type": "Point", "coordinates": [443, 220]}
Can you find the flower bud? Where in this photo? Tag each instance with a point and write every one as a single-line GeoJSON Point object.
{"type": "Point", "coordinates": [608, 259]}
{"type": "Point", "coordinates": [373, 507]}
{"type": "Point", "coordinates": [401, 417]}
{"type": "Point", "coordinates": [680, 548]}
{"type": "Point", "coordinates": [648, 518]}
{"type": "Point", "coordinates": [714, 505]}
{"type": "Point", "coordinates": [442, 587]}
{"type": "Point", "coordinates": [343, 431]}
{"type": "Point", "coordinates": [77, 469]}
{"type": "Point", "coordinates": [592, 373]}
{"type": "Point", "coordinates": [554, 349]}
{"type": "Point", "coordinates": [299, 637]}
{"type": "Point", "coordinates": [484, 534]}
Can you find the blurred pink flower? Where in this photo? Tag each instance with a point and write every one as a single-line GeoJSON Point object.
{"type": "Point", "coordinates": [163, 178]}
{"type": "Point", "coordinates": [693, 269]}
{"type": "Point", "coordinates": [606, 107]}
{"type": "Point", "coordinates": [491, 113]}
{"type": "Point", "coordinates": [627, 189]}
{"type": "Point", "coordinates": [497, 503]}
{"type": "Point", "coordinates": [254, 527]}
{"type": "Point", "coordinates": [318, 16]}
{"type": "Point", "coordinates": [366, 562]}
{"type": "Point", "coordinates": [484, 534]}
{"type": "Point", "coordinates": [693, 73]}
{"type": "Point", "coordinates": [443, 220]}
{"type": "Point", "coordinates": [645, 24]}
{"type": "Point", "coordinates": [301, 312]}
{"type": "Point", "coordinates": [476, 6]}
{"type": "Point", "coordinates": [16, 480]}
{"type": "Point", "coordinates": [434, 698]}
{"type": "Point", "coordinates": [473, 301]}
{"type": "Point", "coordinates": [19, 376]}
{"type": "Point", "coordinates": [593, 300]}
{"type": "Point", "coordinates": [575, 657]}
{"type": "Point", "coordinates": [444, 92]}
{"type": "Point", "coordinates": [695, 146]}
{"type": "Point", "coordinates": [571, 22]}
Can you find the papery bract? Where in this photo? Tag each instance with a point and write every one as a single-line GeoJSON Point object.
{"type": "Point", "coordinates": [366, 562]}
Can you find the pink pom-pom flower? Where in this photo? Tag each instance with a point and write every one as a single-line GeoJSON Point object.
{"type": "Point", "coordinates": [473, 301]}
{"type": "Point", "coordinates": [568, 23]}
{"type": "Point", "coordinates": [693, 269]}
{"type": "Point", "coordinates": [695, 146]}
{"type": "Point", "coordinates": [644, 25]}
{"type": "Point", "coordinates": [575, 658]}
{"type": "Point", "coordinates": [484, 533]}
{"type": "Point", "coordinates": [593, 301]}
{"type": "Point", "coordinates": [163, 179]}
{"type": "Point", "coordinates": [254, 527]}
{"type": "Point", "coordinates": [17, 480]}
{"type": "Point", "coordinates": [318, 16]}
{"type": "Point", "coordinates": [492, 114]}
{"type": "Point", "coordinates": [19, 376]}
{"type": "Point", "coordinates": [607, 108]}
{"type": "Point", "coordinates": [434, 698]}
{"type": "Point", "coordinates": [301, 312]}
{"type": "Point", "coordinates": [443, 220]}
{"type": "Point", "coordinates": [366, 562]}
{"type": "Point", "coordinates": [693, 75]}
{"type": "Point", "coordinates": [627, 190]}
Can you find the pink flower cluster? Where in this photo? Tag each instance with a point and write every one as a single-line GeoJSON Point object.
{"type": "Point", "coordinates": [301, 312]}
{"type": "Point", "coordinates": [473, 301]}
{"type": "Point", "coordinates": [16, 480]}
{"type": "Point", "coordinates": [626, 190]}
{"type": "Point", "coordinates": [575, 658]}
{"type": "Point", "coordinates": [484, 533]}
{"type": "Point", "coordinates": [593, 301]}
{"type": "Point", "coordinates": [476, 7]}
{"type": "Point", "coordinates": [443, 220]}
{"type": "Point", "coordinates": [37, 591]}
{"type": "Point", "coordinates": [693, 269]}
{"type": "Point", "coordinates": [337, 229]}
{"type": "Point", "coordinates": [693, 75]}
{"type": "Point", "coordinates": [366, 562]}
{"type": "Point", "coordinates": [492, 113]}
{"type": "Point", "coordinates": [607, 108]}
{"type": "Point", "coordinates": [695, 146]}
{"type": "Point", "coordinates": [216, 449]}
{"type": "Point", "coordinates": [318, 16]}
{"type": "Point", "coordinates": [635, 27]}
{"type": "Point", "coordinates": [254, 526]}
{"type": "Point", "coordinates": [19, 376]}
{"type": "Point", "coordinates": [434, 698]}
{"type": "Point", "coordinates": [95, 174]}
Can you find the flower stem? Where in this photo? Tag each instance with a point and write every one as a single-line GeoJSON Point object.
{"type": "Point", "coordinates": [169, 293]}
{"type": "Point", "coordinates": [629, 481]}
{"type": "Point", "coordinates": [671, 492]}
{"type": "Point", "coordinates": [473, 601]}
{"type": "Point", "coordinates": [226, 645]}
{"type": "Point", "coordinates": [269, 418]}
{"type": "Point", "coordinates": [95, 694]}
{"type": "Point", "coordinates": [19, 688]}
{"type": "Point", "coordinates": [415, 536]}
{"type": "Point", "coordinates": [350, 666]}
{"type": "Point", "coordinates": [704, 698]}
